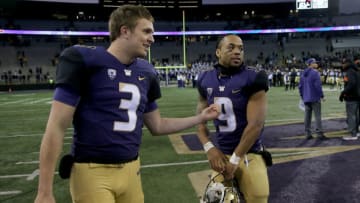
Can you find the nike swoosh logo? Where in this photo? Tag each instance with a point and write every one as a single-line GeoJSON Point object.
{"type": "Point", "coordinates": [141, 78]}
{"type": "Point", "coordinates": [235, 91]}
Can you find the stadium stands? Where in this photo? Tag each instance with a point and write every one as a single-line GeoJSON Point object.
{"type": "Point", "coordinates": [267, 50]}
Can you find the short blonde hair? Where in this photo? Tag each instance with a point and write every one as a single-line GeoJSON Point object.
{"type": "Point", "coordinates": [127, 15]}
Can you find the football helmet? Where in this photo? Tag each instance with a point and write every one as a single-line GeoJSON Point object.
{"type": "Point", "coordinates": [218, 192]}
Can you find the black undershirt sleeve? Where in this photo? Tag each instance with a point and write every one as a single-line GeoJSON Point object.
{"type": "Point", "coordinates": [70, 71]}
{"type": "Point", "coordinates": [154, 92]}
{"type": "Point", "coordinates": [260, 83]}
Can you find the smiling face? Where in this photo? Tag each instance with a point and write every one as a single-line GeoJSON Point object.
{"type": "Point", "coordinates": [230, 51]}
{"type": "Point", "coordinates": [141, 37]}
{"type": "Point", "coordinates": [131, 32]}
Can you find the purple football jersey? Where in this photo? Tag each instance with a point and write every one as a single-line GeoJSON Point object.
{"type": "Point", "coordinates": [232, 93]}
{"type": "Point", "coordinates": [113, 98]}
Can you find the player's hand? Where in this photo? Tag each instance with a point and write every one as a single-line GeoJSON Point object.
{"type": "Point", "coordinates": [229, 173]}
{"type": "Point", "coordinates": [216, 159]}
{"type": "Point", "coordinates": [211, 112]}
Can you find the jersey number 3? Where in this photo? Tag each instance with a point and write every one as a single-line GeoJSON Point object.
{"type": "Point", "coordinates": [130, 105]}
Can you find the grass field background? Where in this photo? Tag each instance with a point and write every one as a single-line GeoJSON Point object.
{"type": "Point", "coordinates": [23, 119]}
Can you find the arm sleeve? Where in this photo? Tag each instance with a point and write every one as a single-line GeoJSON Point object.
{"type": "Point", "coordinates": [260, 83]}
{"type": "Point", "coordinates": [201, 90]}
{"type": "Point", "coordinates": [70, 71]}
{"type": "Point", "coordinates": [66, 96]}
{"type": "Point", "coordinates": [151, 107]}
{"type": "Point", "coordinates": [154, 91]}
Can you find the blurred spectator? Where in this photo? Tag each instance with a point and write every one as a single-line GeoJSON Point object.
{"type": "Point", "coordinates": [351, 95]}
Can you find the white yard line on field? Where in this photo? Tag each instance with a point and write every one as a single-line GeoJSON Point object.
{"type": "Point", "coordinates": [22, 110]}
{"type": "Point", "coordinates": [302, 119]}
{"type": "Point", "coordinates": [23, 95]}
{"type": "Point", "coordinates": [14, 176]}
{"type": "Point", "coordinates": [16, 101]}
{"type": "Point", "coordinates": [290, 119]}
{"type": "Point", "coordinates": [26, 162]}
{"type": "Point", "coordinates": [174, 164]}
{"type": "Point", "coordinates": [40, 100]}
{"type": "Point", "coordinates": [25, 135]}
{"type": "Point", "coordinates": [143, 166]}
{"type": "Point", "coordinates": [29, 135]}
{"type": "Point", "coordinates": [33, 175]}
{"type": "Point", "coordinates": [14, 192]}
{"type": "Point", "coordinates": [36, 172]}
{"type": "Point", "coordinates": [293, 153]}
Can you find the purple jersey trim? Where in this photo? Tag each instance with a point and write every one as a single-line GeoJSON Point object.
{"type": "Point", "coordinates": [151, 107]}
{"type": "Point", "coordinates": [65, 95]}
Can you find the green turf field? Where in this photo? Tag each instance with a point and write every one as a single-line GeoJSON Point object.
{"type": "Point", "coordinates": [23, 119]}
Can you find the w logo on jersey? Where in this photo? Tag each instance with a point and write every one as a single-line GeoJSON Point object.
{"type": "Point", "coordinates": [111, 73]}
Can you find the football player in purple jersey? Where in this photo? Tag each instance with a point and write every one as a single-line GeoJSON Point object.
{"type": "Point", "coordinates": [107, 94]}
{"type": "Point", "coordinates": [237, 150]}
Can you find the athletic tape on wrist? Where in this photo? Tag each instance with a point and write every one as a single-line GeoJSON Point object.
{"type": "Point", "coordinates": [234, 159]}
{"type": "Point", "coordinates": [207, 146]}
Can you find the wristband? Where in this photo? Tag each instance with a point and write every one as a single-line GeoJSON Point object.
{"type": "Point", "coordinates": [234, 159]}
{"type": "Point", "coordinates": [207, 146]}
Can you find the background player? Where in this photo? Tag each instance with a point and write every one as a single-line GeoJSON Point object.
{"type": "Point", "coordinates": [240, 91]}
